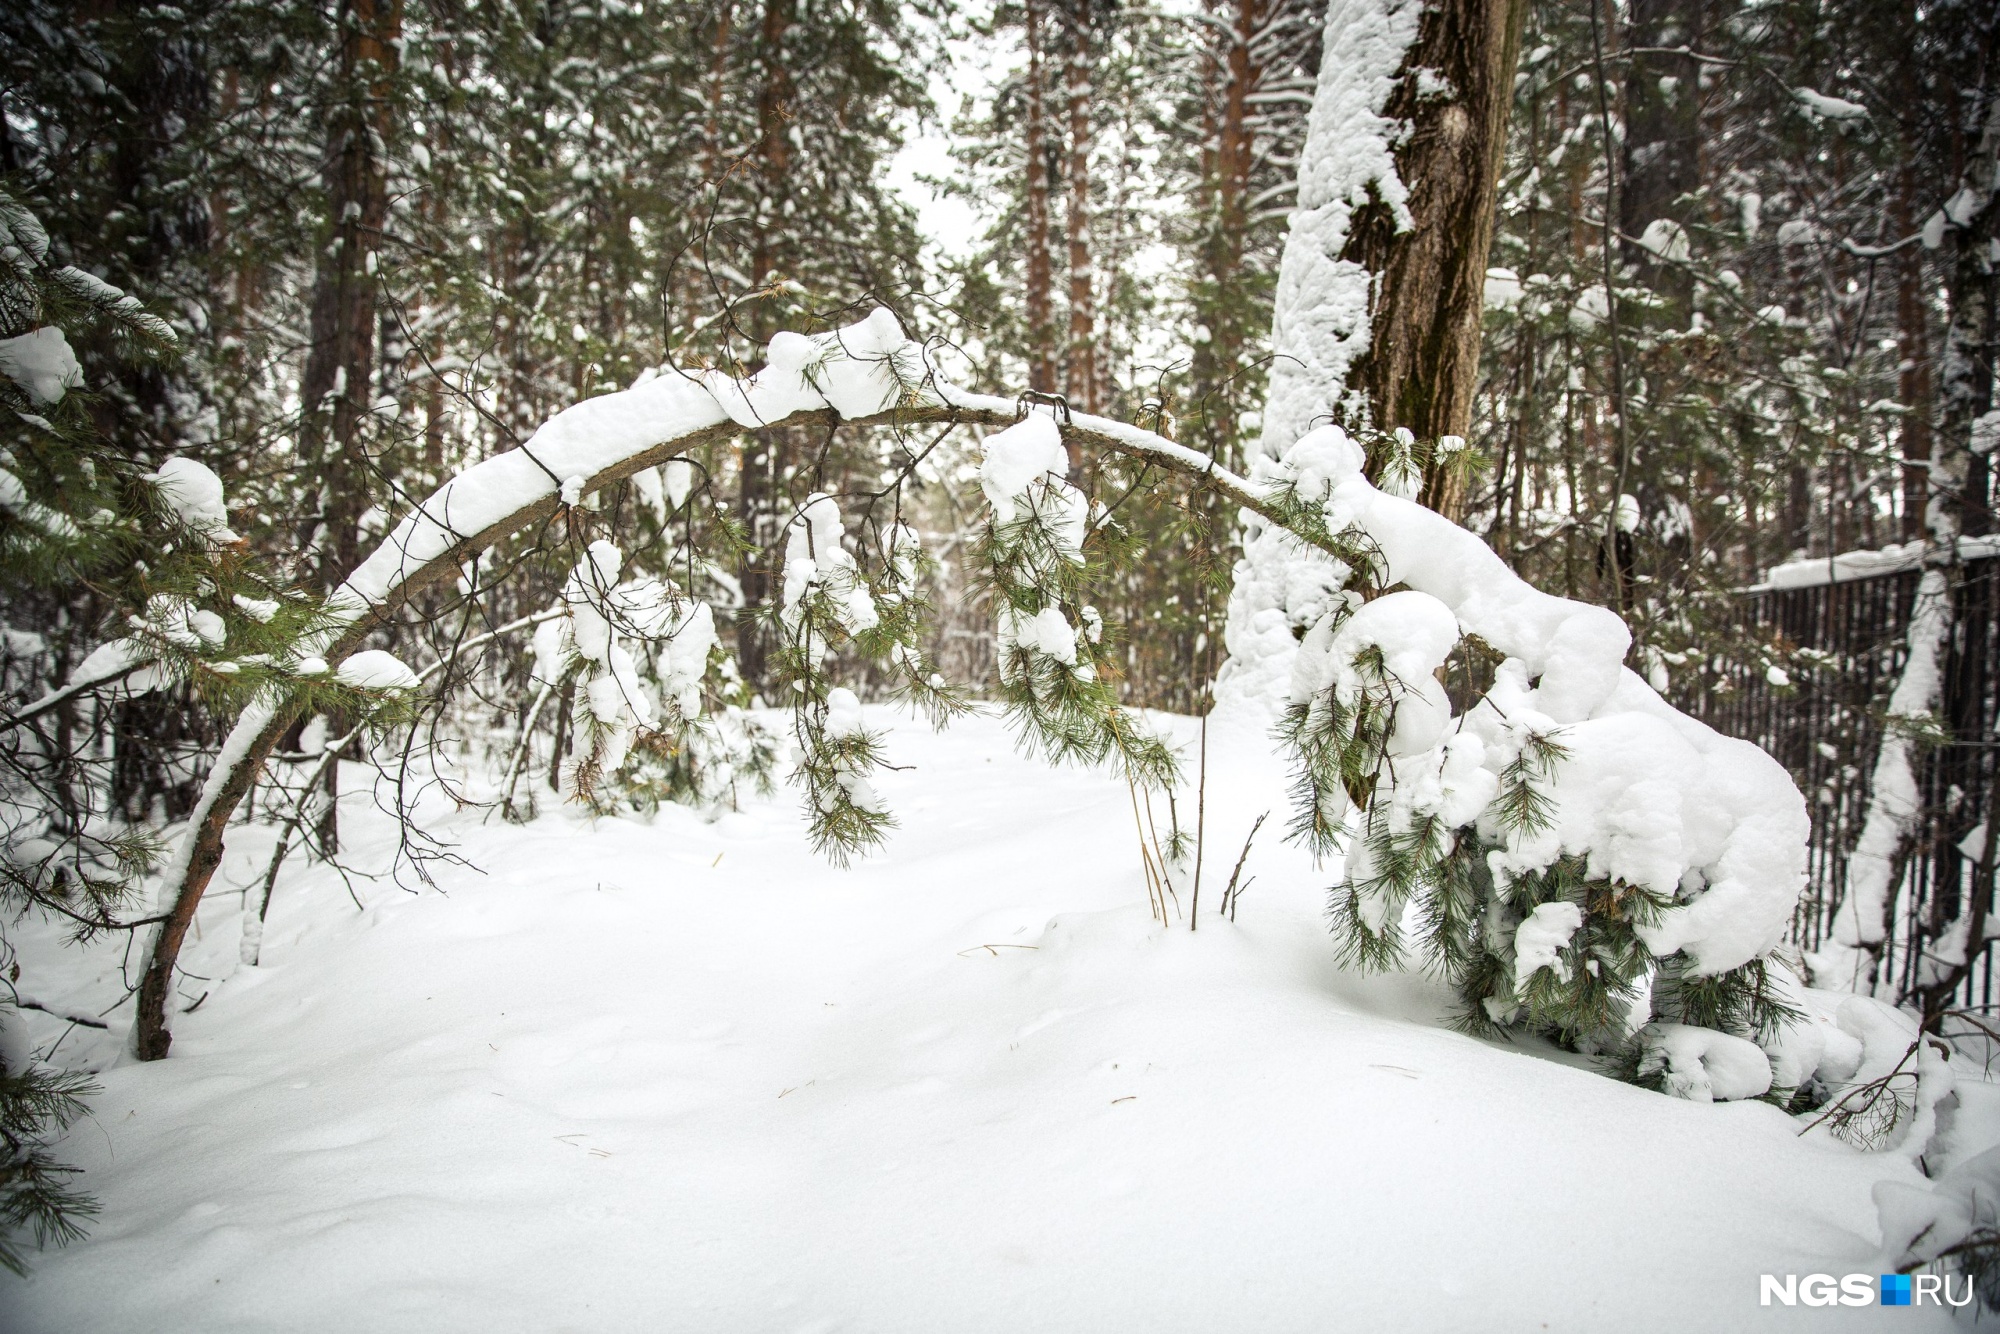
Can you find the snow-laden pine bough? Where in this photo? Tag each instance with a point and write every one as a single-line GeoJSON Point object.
{"type": "Point", "coordinates": [1579, 857]}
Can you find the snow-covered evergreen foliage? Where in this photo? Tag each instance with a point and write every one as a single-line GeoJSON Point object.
{"type": "Point", "coordinates": [1525, 815]}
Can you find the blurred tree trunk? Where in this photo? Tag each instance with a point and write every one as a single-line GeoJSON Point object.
{"type": "Point", "coordinates": [1659, 173]}
{"type": "Point", "coordinates": [760, 478]}
{"type": "Point", "coordinates": [340, 363]}
{"type": "Point", "coordinates": [1913, 380]}
{"type": "Point", "coordinates": [1227, 151]}
{"type": "Point", "coordinates": [1040, 280]}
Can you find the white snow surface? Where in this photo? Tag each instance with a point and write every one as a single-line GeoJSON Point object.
{"type": "Point", "coordinates": [683, 1076]}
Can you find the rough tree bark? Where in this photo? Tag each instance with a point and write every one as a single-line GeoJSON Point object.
{"type": "Point", "coordinates": [1422, 365]}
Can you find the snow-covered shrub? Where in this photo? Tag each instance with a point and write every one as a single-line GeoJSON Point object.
{"type": "Point", "coordinates": [1522, 813]}
{"type": "Point", "coordinates": [709, 765]}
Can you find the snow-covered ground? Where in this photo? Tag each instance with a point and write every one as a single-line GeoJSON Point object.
{"type": "Point", "coordinates": [685, 1076]}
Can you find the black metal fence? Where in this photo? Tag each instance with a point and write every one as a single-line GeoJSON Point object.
{"type": "Point", "coordinates": [1843, 645]}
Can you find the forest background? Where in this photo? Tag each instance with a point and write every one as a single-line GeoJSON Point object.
{"type": "Point", "coordinates": [1692, 317]}
{"type": "Point", "coordinates": [394, 238]}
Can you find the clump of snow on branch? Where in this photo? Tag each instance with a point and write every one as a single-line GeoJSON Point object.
{"type": "Point", "coordinates": [1023, 477]}
{"type": "Point", "coordinates": [376, 669]}
{"type": "Point", "coordinates": [192, 493]}
{"type": "Point", "coordinates": [1053, 667]}
{"type": "Point", "coordinates": [828, 601]}
{"type": "Point", "coordinates": [42, 363]}
{"type": "Point", "coordinates": [863, 370]}
{"type": "Point", "coordinates": [1702, 1065]}
{"type": "Point", "coordinates": [817, 565]}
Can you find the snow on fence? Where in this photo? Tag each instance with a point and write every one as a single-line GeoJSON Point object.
{"type": "Point", "coordinates": [1845, 637]}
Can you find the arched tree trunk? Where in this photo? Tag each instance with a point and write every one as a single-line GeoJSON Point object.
{"type": "Point", "coordinates": [601, 441]}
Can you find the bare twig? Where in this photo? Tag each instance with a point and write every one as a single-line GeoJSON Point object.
{"type": "Point", "coordinates": [1234, 892]}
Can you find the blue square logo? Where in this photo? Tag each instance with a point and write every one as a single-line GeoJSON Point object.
{"type": "Point", "coordinates": [1895, 1289]}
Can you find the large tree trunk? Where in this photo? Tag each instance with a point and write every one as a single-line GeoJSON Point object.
{"type": "Point", "coordinates": [337, 389]}
{"type": "Point", "coordinates": [1422, 363]}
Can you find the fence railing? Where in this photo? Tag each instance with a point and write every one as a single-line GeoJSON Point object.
{"type": "Point", "coordinates": [1846, 642]}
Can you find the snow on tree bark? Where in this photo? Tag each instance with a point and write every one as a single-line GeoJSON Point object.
{"type": "Point", "coordinates": [1319, 328]}
{"type": "Point", "coordinates": [1381, 288]}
